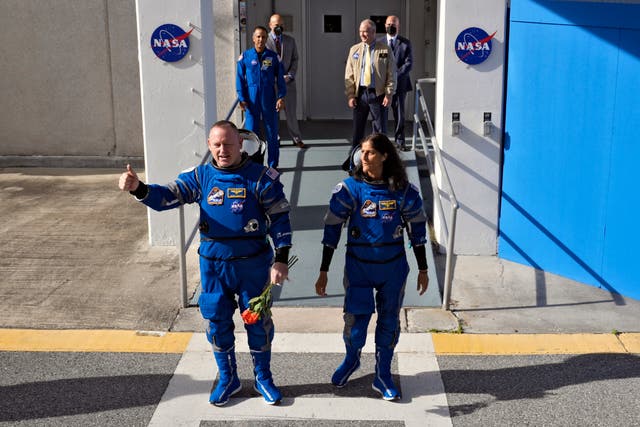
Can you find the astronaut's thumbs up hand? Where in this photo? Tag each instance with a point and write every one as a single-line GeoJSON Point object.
{"type": "Point", "coordinates": [129, 180]}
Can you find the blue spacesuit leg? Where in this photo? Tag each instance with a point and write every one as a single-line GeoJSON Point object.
{"type": "Point", "coordinates": [389, 296]}
{"type": "Point", "coordinates": [228, 382]}
{"type": "Point", "coordinates": [382, 382]}
{"type": "Point", "coordinates": [273, 146]}
{"type": "Point", "coordinates": [254, 279]}
{"type": "Point", "coordinates": [263, 379]}
{"type": "Point", "coordinates": [358, 308]}
{"type": "Point", "coordinates": [354, 336]}
{"type": "Point", "coordinates": [252, 120]}
{"type": "Point", "coordinates": [217, 304]}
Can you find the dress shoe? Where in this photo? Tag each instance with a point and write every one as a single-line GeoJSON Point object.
{"type": "Point", "coordinates": [300, 144]}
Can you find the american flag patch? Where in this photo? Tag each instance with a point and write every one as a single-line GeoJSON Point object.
{"type": "Point", "coordinates": [272, 173]}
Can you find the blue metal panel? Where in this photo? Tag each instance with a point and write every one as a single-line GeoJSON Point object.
{"type": "Point", "coordinates": [559, 129]}
{"type": "Point", "coordinates": [615, 15]}
{"type": "Point", "coordinates": [623, 208]}
{"type": "Point", "coordinates": [569, 202]}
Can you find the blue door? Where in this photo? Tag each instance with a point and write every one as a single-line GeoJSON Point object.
{"type": "Point", "coordinates": [569, 190]}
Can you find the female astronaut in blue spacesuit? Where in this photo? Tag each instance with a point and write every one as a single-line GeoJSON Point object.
{"type": "Point", "coordinates": [377, 203]}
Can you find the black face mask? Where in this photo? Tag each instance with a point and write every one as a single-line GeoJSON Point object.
{"type": "Point", "coordinates": [277, 30]}
{"type": "Point", "coordinates": [391, 30]}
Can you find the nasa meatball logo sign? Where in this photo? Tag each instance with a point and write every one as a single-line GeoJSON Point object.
{"type": "Point", "coordinates": [170, 42]}
{"type": "Point", "coordinates": [473, 45]}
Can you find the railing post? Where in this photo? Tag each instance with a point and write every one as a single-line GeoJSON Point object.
{"type": "Point", "coordinates": [448, 271]}
{"type": "Point", "coordinates": [183, 257]}
{"type": "Point", "coordinates": [450, 230]}
{"type": "Point", "coordinates": [416, 117]}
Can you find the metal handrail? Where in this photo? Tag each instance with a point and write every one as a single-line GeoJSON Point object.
{"type": "Point", "coordinates": [183, 246]}
{"type": "Point", "coordinates": [421, 104]}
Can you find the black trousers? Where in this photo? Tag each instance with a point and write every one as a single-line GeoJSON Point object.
{"type": "Point", "coordinates": [367, 102]}
{"type": "Point", "coordinates": [397, 106]}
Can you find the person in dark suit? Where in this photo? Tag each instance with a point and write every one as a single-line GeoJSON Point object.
{"type": "Point", "coordinates": [370, 82]}
{"type": "Point", "coordinates": [285, 47]}
{"type": "Point", "coordinates": [401, 47]}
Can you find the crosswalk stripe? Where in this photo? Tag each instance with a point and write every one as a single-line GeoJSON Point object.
{"type": "Point", "coordinates": [185, 402]}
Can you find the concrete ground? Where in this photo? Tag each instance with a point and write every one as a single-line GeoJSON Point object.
{"type": "Point", "coordinates": [74, 254]}
{"type": "Point", "coordinates": [105, 341]}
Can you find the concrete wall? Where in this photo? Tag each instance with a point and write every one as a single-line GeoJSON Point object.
{"type": "Point", "coordinates": [70, 82]}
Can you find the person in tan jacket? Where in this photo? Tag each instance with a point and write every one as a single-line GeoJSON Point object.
{"type": "Point", "coordinates": [370, 82]}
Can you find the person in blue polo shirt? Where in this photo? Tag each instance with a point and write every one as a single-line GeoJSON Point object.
{"type": "Point", "coordinates": [261, 90]}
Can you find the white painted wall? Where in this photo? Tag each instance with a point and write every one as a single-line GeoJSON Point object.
{"type": "Point", "coordinates": [178, 101]}
{"type": "Point", "coordinates": [472, 160]}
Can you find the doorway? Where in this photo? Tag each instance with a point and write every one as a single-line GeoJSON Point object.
{"type": "Point", "coordinates": [332, 28]}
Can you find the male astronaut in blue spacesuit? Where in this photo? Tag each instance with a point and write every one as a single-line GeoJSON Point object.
{"type": "Point", "coordinates": [241, 204]}
{"type": "Point", "coordinates": [261, 89]}
{"type": "Point", "coordinates": [377, 203]}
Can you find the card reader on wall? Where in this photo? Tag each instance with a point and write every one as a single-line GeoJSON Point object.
{"type": "Point", "coordinates": [487, 125]}
{"type": "Point", "coordinates": [455, 124]}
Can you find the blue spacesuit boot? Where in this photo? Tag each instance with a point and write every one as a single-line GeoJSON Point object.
{"type": "Point", "coordinates": [383, 383]}
{"type": "Point", "coordinates": [264, 381]}
{"type": "Point", "coordinates": [349, 365]}
{"type": "Point", "coordinates": [228, 382]}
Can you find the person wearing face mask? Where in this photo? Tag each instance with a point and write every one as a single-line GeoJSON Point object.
{"type": "Point", "coordinates": [401, 48]}
{"type": "Point", "coordinates": [377, 204]}
{"type": "Point", "coordinates": [285, 47]}
{"type": "Point", "coordinates": [242, 205]}
{"type": "Point", "coordinates": [370, 82]}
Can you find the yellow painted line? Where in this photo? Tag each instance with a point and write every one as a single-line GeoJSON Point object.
{"type": "Point", "coordinates": [631, 342]}
{"type": "Point", "coordinates": [83, 340]}
{"type": "Point", "coordinates": [511, 344]}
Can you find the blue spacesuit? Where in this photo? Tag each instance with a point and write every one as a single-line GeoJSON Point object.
{"type": "Point", "coordinates": [235, 254]}
{"type": "Point", "coordinates": [375, 259]}
{"type": "Point", "coordinates": [239, 208]}
{"type": "Point", "coordinates": [260, 83]}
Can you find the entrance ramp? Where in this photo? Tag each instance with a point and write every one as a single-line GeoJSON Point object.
{"type": "Point", "coordinates": [308, 176]}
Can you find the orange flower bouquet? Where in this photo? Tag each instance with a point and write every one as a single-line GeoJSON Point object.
{"type": "Point", "coordinates": [261, 305]}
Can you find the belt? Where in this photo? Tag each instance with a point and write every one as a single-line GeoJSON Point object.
{"type": "Point", "coordinates": [376, 245]}
{"type": "Point", "coordinates": [204, 238]}
{"type": "Point", "coordinates": [234, 258]}
{"type": "Point", "coordinates": [376, 261]}
{"type": "Point", "coordinates": [368, 89]}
